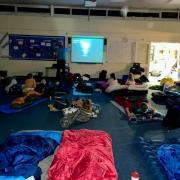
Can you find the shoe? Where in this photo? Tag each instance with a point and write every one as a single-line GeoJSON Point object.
{"type": "Point", "coordinates": [52, 108]}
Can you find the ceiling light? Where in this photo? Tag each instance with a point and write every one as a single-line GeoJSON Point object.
{"type": "Point", "coordinates": [118, 1]}
{"type": "Point", "coordinates": [90, 3]}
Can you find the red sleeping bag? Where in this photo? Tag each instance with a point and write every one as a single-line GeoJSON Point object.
{"type": "Point", "coordinates": [84, 155]}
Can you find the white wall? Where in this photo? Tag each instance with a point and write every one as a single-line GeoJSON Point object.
{"type": "Point", "coordinates": [140, 32]}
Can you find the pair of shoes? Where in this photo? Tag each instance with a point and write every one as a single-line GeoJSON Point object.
{"type": "Point", "coordinates": [50, 105]}
{"type": "Point", "coordinates": [69, 110]}
{"type": "Point", "coordinates": [52, 108]}
{"type": "Point", "coordinates": [57, 97]}
{"type": "Point", "coordinates": [132, 119]}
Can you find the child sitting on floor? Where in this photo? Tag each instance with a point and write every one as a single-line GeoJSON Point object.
{"type": "Point", "coordinates": [30, 83]}
{"type": "Point", "coordinates": [130, 80]}
{"type": "Point", "coordinates": [112, 80]}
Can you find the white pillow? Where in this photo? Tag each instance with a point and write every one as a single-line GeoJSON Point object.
{"type": "Point", "coordinates": [138, 87]}
{"type": "Point", "coordinates": [109, 89]}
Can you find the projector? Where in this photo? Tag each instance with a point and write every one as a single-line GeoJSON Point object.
{"type": "Point", "coordinates": [90, 3]}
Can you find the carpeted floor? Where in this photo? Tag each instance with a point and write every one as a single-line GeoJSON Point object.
{"type": "Point", "coordinates": [126, 153]}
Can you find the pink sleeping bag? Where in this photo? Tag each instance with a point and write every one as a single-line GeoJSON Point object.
{"type": "Point", "coordinates": [84, 155]}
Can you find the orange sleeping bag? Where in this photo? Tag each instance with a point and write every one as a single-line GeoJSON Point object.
{"type": "Point", "coordinates": [28, 98]}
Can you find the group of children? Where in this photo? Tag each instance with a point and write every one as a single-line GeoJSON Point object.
{"type": "Point", "coordinates": [131, 108]}
{"type": "Point", "coordinates": [113, 81]}
{"type": "Point", "coordinates": [139, 106]}
{"type": "Point", "coordinates": [30, 84]}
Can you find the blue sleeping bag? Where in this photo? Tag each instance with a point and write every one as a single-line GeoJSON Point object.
{"type": "Point", "coordinates": [11, 178]}
{"type": "Point", "coordinates": [55, 135]}
{"type": "Point", "coordinates": [169, 157]}
{"type": "Point", "coordinates": [21, 152]}
{"type": "Point", "coordinates": [77, 93]}
{"type": "Point", "coordinates": [7, 109]}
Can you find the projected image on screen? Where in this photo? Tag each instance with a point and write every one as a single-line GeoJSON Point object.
{"type": "Point", "coordinates": [87, 49]}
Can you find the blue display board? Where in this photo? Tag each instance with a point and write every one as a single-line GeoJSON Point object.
{"type": "Point", "coordinates": [34, 47]}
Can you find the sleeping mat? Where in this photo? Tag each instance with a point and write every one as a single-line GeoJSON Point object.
{"type": "Point", "coordinates": [21, 153]}
{"type": "Point", "coordinates": [8, 109]}
{"type": "Point", "coordinates": [84, 155]}
{"type": "Point", "coordinates": [169, 157]}
{"type": "Point", "coordinates": [121, 103]}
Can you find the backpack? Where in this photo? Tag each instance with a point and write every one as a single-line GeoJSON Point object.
{"type": "Point", "coordinates": [159, 98]}
{"type": "Point", "coordinates": [172, 118]}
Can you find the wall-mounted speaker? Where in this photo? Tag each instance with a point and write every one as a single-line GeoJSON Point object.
{"type": "Point", "coordinates": [105, 41]}
{"type": "Point", "coordinates": [69, 40]}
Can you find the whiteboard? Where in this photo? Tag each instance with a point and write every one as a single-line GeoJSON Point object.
{"type": "Point", "coordinates": [119, 50]}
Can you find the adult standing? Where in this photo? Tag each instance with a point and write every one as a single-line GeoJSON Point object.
{"type": "Point", "coordinates": [61, 61]}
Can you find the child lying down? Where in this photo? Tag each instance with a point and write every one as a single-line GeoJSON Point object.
{"type": "Point", "coordinates": [137, 108]}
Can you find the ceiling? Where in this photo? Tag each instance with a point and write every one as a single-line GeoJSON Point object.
{"type": "Point", "coordinates": [131, 4]}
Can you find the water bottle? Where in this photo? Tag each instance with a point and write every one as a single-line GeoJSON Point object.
{"type": "Point", "coordinates": [50, 98]}
{"type": "Point", "coordinates": [135, 175]}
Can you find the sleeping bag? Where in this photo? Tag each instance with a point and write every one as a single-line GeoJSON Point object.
{"type": "Point", "coordinates": [30, 97]}
{"type": "Point", "coordinates": [21, 153]}
{"type": "Point", "coordinates": [169, 157]}
{"type": "Point", "coordinates": [84, 155]}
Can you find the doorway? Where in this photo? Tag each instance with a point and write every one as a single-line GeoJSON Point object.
{"type": "Point", "coordinates": [164, 61]}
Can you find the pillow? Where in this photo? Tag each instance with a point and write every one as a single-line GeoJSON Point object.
{"type": "Point", "coordinates": [109, 89]}
{"type": "Point", "coordinates": [138, 87]}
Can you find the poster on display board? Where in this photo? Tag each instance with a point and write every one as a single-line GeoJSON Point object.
{"type": "Point", "coordinates": [34, 47]}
